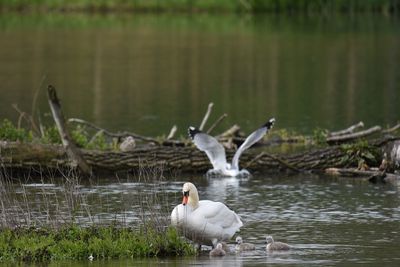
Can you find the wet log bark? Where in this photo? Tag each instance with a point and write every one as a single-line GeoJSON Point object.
{"type": "Point", "coordinates": [182, 159]}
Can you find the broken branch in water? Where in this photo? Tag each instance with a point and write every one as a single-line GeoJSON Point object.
{"type": "Point", "coordinates": [203, 123]}
{"type": "Point", "coordinates": [69, 145]}
{"type": "Point", "coordinates": [347, 130]}
{"type": "Point", "coordinates": [352, 136]}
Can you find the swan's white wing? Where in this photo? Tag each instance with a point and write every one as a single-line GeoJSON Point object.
{"type": "Point", "coordinates": [219, 218]}
{"type": "Point", "coordinates": [214, 150]}
{"type": "Point", "coordinates": [253, 138]}
{"type": "Point", "coordinates": [218, 213]}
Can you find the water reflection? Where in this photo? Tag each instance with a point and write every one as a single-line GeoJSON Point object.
{"type": "Point", "coordinates": [132, 73]}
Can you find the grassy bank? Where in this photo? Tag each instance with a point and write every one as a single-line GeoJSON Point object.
{"type": "Point", "coordinates": [321, 6]}
{"type": "Point", "coordinates": [57, 219]}
{"type": "Point", "coordinates": [77, 243]}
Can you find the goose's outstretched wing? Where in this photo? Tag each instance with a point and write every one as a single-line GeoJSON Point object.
{"type": "Point", "coordinates": [253, 138]}
{"type": "Point", "coordinates": [214, 150]}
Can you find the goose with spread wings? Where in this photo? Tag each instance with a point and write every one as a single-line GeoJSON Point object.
{"type": "Point", "coordinates": [216, 152]}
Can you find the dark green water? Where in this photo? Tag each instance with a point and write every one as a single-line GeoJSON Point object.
{"type": "Point", "coordinates": [145, 73]}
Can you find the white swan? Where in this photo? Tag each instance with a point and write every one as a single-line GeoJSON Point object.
{"type": "Point", "coordinates": [216, 152]}
{"type": "Point", "coordinates": [205, 222]}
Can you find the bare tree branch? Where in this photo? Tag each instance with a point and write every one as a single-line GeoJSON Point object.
{"type": "Point", "coordinates": [69, 145]}
{"type": "Point", "coordinates": [209, 109]}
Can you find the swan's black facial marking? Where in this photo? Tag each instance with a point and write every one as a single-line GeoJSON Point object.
{"type": "Point", "coordinates": [186, 193]}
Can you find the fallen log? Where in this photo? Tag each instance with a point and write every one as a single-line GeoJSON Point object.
{"type": "Point", "coordinates": [187, 159]}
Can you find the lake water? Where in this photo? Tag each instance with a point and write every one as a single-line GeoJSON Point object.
{"type": "Point", "coordinates": [328, 221]}
{"type": "Point", "coordinates": [145, 73]}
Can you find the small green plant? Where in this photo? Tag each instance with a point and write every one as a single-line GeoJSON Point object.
{"type": "Point", "coordinates": [320, 135]}
{"type": "Point", "coordinates": [50, 135]}
{"type": "Point", "coordinates": [79, 135]}
{"type": "Point", "coordinates": [10, 132]}
{"type": "Point", "coordinates": [98, 142]}
{"type": "Point", "coordinates": [360, 152]}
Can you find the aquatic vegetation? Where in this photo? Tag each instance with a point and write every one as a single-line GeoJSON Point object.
{"type": "Point", "coordinates": [10, 132]}
{"type": "Point", "coordinates": [320, 135]}
{"type": "Point", "coordinates": [360, 152]}
{"type": "Point", "coordinates": [72, 242]}
{"type": "Point", "coordinates": [50, 135]}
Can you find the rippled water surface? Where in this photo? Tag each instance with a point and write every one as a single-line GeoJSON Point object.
{"type": "Point", "coordinates": [326, 220]}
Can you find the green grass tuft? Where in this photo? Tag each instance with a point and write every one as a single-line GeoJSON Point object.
{"type": "Point", "coordinates": [76, 243]}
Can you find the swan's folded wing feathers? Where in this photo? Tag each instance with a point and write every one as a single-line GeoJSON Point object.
{"type": "Point", "coordinates": [217, 212]}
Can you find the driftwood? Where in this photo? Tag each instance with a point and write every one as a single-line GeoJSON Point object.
{"type": "Point", "coordinates": [203, 122]}
{"type": "Point", "coordinates": [218, 121]}
{"type": "Point", "coordinates": [392, 129]}
{"type": "Point", "coordinates": [347, 130]}
{"type": "Point", "coordinates": [351, 136]}
{"type": "Point", "coordinates": [72, 151]}
{"type": "Point", "coordinates": [182, 159]}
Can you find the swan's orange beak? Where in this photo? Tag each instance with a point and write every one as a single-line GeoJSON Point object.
{"type": "Point", "coordinates": [185, 197]}
{"type": "Point", "coordinates": [185, 200]}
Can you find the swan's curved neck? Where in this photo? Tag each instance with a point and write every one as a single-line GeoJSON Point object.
{"type": "Point", "coordinates": [193, 200]}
